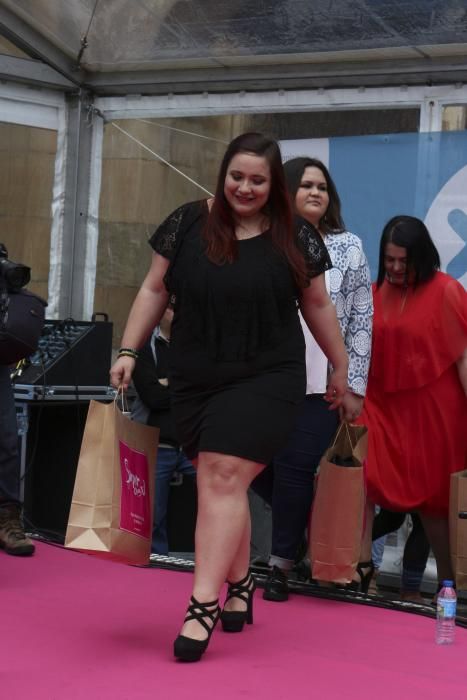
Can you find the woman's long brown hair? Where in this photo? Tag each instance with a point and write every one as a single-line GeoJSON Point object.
{"type": "Point", "coordinates": [219, 231]}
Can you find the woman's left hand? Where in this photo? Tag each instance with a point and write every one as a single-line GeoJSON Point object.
{"type": "Point", "coordinates": [351, 407]}
{"type": "Point", "coordinates": [336, 389]}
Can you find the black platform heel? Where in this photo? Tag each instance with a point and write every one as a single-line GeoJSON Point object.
{"type": "Point", "coordinates": [365, 579]}
{"type": "Point", "coordinates": [233, 620]}
{"type": "Point", "coordinates": [188, 649]}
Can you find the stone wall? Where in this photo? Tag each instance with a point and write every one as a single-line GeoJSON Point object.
{"type": "Point", "coordinates": [138, 192]}
{"type": "Point", "coordinates": [26, 183]}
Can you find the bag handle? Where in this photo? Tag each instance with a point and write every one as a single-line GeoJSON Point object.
{"type": "Point", "coordinates": [120, 393]}
{"type": "Point", "coordinates": [338, 432]}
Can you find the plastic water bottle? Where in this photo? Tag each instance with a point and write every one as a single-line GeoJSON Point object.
{"type": "Point", "coordinates": [446, 614]}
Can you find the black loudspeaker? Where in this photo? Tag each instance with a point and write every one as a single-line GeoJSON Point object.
{"type": "Point", "coordinates": [71, 353]}
{"type": "Point", "coordinates": [53, 442]}
{"type": "Point", "coordinates": [181, 515]}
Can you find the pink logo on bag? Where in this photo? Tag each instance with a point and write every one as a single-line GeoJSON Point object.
{"type": "Point", "coordinates": [135, 507]}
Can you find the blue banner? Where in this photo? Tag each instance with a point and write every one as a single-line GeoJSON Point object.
{"type": "Point", "coordinates": [378, 177]}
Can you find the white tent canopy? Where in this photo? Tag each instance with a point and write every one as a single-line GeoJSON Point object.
{"type": "Point", "coordinates": [154, 46]}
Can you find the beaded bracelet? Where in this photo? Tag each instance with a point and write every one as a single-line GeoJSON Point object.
{"type": "Point", "coordinates": [128, 352]}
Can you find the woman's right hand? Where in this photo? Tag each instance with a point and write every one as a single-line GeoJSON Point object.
{"type": "Point", "coordinates": [351, 407]}
{"type": "Point", "coordinates": [336, 389]}
{"type": "Point", "coordinates": [121, 371]}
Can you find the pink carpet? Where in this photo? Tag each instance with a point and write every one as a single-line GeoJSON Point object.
{"type": "Point", "coordinates": [78, 628]}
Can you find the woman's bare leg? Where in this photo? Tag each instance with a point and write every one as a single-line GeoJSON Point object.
{"type": "Point", "coordinates": [241, 560]}
{"type": "Point", "coordinates": [240, 566]}
{"type": "Point", "coordinates": [222, 526]}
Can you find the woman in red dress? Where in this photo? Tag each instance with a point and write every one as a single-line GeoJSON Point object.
{"type": "Point", "coordinates": [416, 405]}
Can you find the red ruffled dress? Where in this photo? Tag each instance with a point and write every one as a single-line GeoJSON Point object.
{"type": "Point", "coordinates": [415, 406]}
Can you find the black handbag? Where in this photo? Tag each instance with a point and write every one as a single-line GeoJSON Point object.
{"type": "Point", "coordinates": [22, 315]}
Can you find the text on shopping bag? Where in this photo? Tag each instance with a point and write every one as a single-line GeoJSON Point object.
{"type": "Point", "coordinates": [135, 507]}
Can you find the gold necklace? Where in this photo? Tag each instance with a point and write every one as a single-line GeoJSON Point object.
{"type": "Point", "coordinates": [246, 235]}
{"type": "Point", "coordinates": [260, 227]}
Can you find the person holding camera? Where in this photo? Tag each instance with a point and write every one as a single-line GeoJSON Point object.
{"type": "Point", "coordinates": [13, 539]}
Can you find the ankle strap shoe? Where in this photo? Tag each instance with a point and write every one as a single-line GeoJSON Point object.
{"type": "Point", "coordinates": [234, 620]}
{"type": "Point", "coordinates": [207, 614]}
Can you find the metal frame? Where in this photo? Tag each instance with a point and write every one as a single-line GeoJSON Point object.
{"type": "Point", "coordinates": [35, 73]}
{"type": "Point", "coordinates": [429, 99]}
{"type": "Point", "coordinates": [74, 214]}
{"type": "Point", "coordinates": [410, 65]}
{"type": "Point", "coordinates": [27, 395]}
{"type": "Point", "coordinates": [79, 222]}
{"type": "Point", "coordinates": [36, 45]}
{"type": "Point", "coordinates": [332, 69]}
{"type": "Point", "coordinates": [254, 74]}
{"type": "Point", "coordinates": [31, 107]}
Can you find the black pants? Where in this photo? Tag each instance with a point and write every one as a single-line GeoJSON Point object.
{"type": "Point", "coordinates": [9, 453]}
{"type": "Point", "coordinates": [417, 547]}
{"type": "Point", "coordinates": [287, 483]}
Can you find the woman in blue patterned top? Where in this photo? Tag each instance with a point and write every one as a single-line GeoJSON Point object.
{"type": "Point", "coordinates": [288, 483]}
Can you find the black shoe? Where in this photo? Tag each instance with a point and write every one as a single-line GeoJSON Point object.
{"type": "Point", "coordinates": [276, 587]}
{"type": "Point", "coordinates": [363, 583]}
{"type": "Point", "coordinates": [188, 649]}
{"type": "Point", "coordinates": [233, 620]}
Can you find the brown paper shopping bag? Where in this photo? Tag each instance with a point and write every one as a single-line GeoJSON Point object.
{"type": "Point", "coordinates": [458, 527]}
{"type": "Point", "coordinates": [111, 509]}
{"type": "Point", "coordinates": [337, 515]}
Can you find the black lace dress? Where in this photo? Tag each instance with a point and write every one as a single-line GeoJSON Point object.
{"type": "Point", "coordinates": [237, 358]}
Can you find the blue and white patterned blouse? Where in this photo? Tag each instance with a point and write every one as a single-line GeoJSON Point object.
{"type": "Point", "coordinates": [349, 286]}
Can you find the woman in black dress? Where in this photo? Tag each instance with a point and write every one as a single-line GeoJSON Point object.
{"type": "Point", "coordinates": [239, 266]}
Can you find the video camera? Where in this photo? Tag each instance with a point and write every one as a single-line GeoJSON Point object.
{"type": "Point", "coordinates": [21, 312]}
{"type": "Point", "coordinates": [13, 275]}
